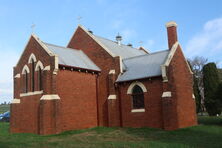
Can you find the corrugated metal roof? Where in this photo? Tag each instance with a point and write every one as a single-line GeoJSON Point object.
{"type": "Point", "coordinates": [120, 50]}
{"type": "Point", "coordinates": [143, 66]}
{"type": "Point", "coordinates": [72, 57]}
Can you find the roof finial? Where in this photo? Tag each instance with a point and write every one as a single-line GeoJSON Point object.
{"type": "Point", "coordinates": [33, 27]}
{"type": "Point", "coordinates": [119, 38]}
{"type": "Point", "coordinates": [141, 43]}
{"type": "Point", "coordinates": [79, 19]}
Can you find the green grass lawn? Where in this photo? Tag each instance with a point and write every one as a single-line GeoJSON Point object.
{"type": "Point", "coordinates": [4, 108]}
{"type": "Point", "coordinates": [207, 134]}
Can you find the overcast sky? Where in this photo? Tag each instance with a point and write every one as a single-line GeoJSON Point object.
{"type": "Point", "coordinates": [199, 26]}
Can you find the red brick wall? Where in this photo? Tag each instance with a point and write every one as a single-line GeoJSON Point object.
{"type": "Point", "coordinates": [78, 108]}
{"type": "Point", "coordinates": [180, 84]}
{"type": "Point", "coordinates": [113, 104]}
{"type": "Point", "coordinates": [49, 116]}
{"type": "Point", "coordinates": [14, 120]}
{"type": "Point", "coordinates": [25, 115]}
{"type": "Point", "coordinates": [152, 117]}
{"type": "Point", "coordinates": [81, 40]}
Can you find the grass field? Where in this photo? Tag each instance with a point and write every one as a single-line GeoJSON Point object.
{"type": "Point", "coordinates": [207, 134]}
{"type": "Point", "coordinates": [4, 108]}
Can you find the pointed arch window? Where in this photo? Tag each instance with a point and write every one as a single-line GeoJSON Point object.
{"type": "Point", "coordinates": [39, 69]}
{"type": "Point", "coordinates": [40, 78]}
{"type": "Point", "coordinates": [25, 75]}
{"type": "Point", "coordinates": [26, 81]}
{"type": "Point", "coordinates": [33, 75]}
{"type": "Point", "coordinates": [138, 97]}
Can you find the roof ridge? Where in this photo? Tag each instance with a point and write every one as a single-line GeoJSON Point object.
{"type": "Point", "coordinates": [115, 41]}
{"type": "Point", "coordinates": [97, 41]}
{"type": "Point", "coordinates": [147, 54]}
{"type": "Point", "coordinates": [61, 46]}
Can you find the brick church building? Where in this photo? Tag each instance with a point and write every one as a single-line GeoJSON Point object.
{"type": "Point", "coordinates": [98, 82]}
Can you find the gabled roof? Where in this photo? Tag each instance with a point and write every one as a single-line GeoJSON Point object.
{"type": "Point", "coordinates": [143, 66]}
{"type": "Point", "coordinates": [120, 50]}
{"type": "Point", "coordinates": [113, 48]}
{"type": "Point", "coordinates": [36, 38]}
{"type": "Point", "coordinates": [72, 57]}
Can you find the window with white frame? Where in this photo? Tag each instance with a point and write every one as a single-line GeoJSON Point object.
{"type": "Point", "coordinates": [40, 78]}
{"type": "Point", "coordinates": [26, 81]}
{"type": "Point", "coordinates": [137, 97]}
{"type": "Point", "coordinates": [33, 75]}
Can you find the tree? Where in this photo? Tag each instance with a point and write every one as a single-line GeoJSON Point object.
{"type": "Point", "coordinates": [197, 64]}
{"type": "Point", "coordinates": [218, 94]}
{"type": "Point", "coordinates": [197, 95]}
{"type": "Point", "coordinates": [211, 83]}
{"type": "Point", "coordinates": [220, 74]}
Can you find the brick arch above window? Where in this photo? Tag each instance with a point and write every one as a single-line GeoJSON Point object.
{"type": "Point", "coordinates": [25, 69]}
{"type": "Point", "coordinates": [130, 88]}
{"type": "Point", "coordinates": [39, 64]}
{"type": "Point", "coordinates": [32, 58]}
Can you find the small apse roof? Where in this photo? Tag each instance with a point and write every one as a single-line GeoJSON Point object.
{"type": "Point", "coordinates": [143, 66]}
{"type": "Point", "coordinates": [72, 57]}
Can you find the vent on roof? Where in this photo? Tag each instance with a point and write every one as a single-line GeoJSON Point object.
{"type": "Point", "coordinates": [90, 31]}
{"type": "Point", "coordinates": [130, 45]}
{"type": "Point", "coordinates": [119, 39]}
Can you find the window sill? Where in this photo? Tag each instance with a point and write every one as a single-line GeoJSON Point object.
{"type": "Point", "coordinates": [31, 93]}
{"type": "Point", "coordinates": [137, 110]}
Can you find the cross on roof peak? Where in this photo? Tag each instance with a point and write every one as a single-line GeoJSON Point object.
{"type": "Point", "coordinates": [79, 18]}
{"type": "Point", "coordinates": [33, 27]}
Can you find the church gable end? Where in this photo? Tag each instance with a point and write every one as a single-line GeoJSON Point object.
{"type": "Point", "coordinates": [180, 85]}
{"type": "Point", "coordinates": [34, 49]}
{"type": "Point", "coordinates": [82, 40]}
{"type": "Point", "coordinates": [34, 56]}
{"type": "Point", "coordinates": [32, 80]}
{"type": "Point", "coordinates": [177, 98]}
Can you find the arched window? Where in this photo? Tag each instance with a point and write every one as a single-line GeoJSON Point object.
{"type": "Point", "coordinates": [40, 78]}
{"type": "Point", "coordinates": [31, 58]}
{"type": "Point", "coordinates": [138, 97]}
{"type": "Point", "coordinates": [26, 81]}
{"type": "Point", "coordinates": [39, 69]}
{"type": "Point", "coordinates": [25, 73]}
{"type": "Point", "coordinates": [33, 75]}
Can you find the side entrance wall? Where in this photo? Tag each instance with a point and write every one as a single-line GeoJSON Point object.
{"type": "Point", "coordinates": [179, 108]}
{"type": "Point", "coordinates": [152, 116]}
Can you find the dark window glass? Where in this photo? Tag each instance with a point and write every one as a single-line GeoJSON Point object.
{"type": "Point", "coordinates": [26, 81]}
{"type": "Point", "coordinates": [138, 97]}
{"type": "Point", "coordinates": [33, 75]}
{"type": "Point", "coordinates": [40, 78]}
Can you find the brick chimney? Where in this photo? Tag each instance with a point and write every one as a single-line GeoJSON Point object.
{"type": "Point", "coordinates": [171, 33]}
